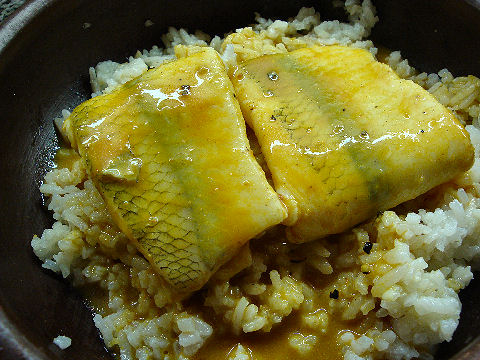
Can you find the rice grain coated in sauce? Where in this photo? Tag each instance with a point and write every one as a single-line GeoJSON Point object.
{"type": "Point", "coordinates": [386, 289]}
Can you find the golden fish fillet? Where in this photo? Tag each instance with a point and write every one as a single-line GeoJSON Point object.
{"type": "Point", "coordinates": [344, 137]}
{"type": "Point", "coordinates": [168, 152]}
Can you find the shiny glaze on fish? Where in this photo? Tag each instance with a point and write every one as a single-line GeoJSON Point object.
{"type": "Point", "coordinates": [168, 152]}
{"type": "Point", "coordinates": [344, 137]}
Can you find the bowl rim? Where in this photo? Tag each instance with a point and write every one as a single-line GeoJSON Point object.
{"type": "Point", "coordinates": [14, 343]}
{"type": "Point", "coordinates": [11, 27]}
{"type": "Point", "coordinates": [11, 339]}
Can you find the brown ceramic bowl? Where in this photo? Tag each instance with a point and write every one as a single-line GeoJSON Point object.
{"type": "Point", "coordinates": [44, 56]}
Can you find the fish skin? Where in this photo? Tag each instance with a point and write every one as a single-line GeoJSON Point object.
{"type": "Point", "coordinates": [168, 152]}
{"type": "Point", "coordinates": [344, 137]}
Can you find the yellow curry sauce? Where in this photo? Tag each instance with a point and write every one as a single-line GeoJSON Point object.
{"type": "Point", "coordinates": [344, 137]}
{"type": "Point", "coordinates": [317, 127]}
{"type": "Point", "coordinates": [275, 344]}
{"type": "Point", "coordinates": [168, 152]}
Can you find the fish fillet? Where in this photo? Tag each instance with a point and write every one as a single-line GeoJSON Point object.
{"type": "Point", "coordinates": [168, 152]}
{"type": "Point", "coordinates": [344, 137]}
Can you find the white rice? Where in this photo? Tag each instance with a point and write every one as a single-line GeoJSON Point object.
{"type": "Point", "coordinates": [62, 342]}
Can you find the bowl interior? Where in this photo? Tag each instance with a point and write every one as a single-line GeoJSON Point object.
{"type": "Point", "coordinates": [45, 52]}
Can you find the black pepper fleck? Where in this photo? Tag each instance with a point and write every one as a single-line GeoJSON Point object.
{"type": "Point", "coordinates": [334, 294]}
{"type": "Point", "coordinates": [273, 118]}
{"type": "Point", "coordinates": [367, 247]}
{"type": "Point", "coordinates": [422, 131]}
{"type": "Point", "coordinates": [366, 272]}
{"type": "Point", "coordinates": [185, 90]}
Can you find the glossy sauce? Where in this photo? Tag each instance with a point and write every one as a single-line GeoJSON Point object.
{"type": "Point", "coordinates": [275, 344]}
{"type": "Point", "coordinates": [65, 157]}
{"type": "Point", "coordinates": [344, 137]}
{"type": "Point", "coordinates": [168, 152]}
{"type": "Point", "coordinates": [343, 131]}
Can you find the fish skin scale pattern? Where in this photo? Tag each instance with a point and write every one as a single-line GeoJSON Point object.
{"type": "Point", "coordinates": [175, 168]}
{"type": "Point", "coordinates": [168, 242]}
{"type": "Point", "coordinates": [344, 137]}
{"type": "Point", "coordinates": [174, 249]}
{"type": "Point", "coordinates": [176, 256]}
{"type": "Point", "coordinates": [296, 112]}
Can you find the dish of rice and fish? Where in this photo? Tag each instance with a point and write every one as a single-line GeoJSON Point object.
{"type": "Point", "coordinates": [286, 191]}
